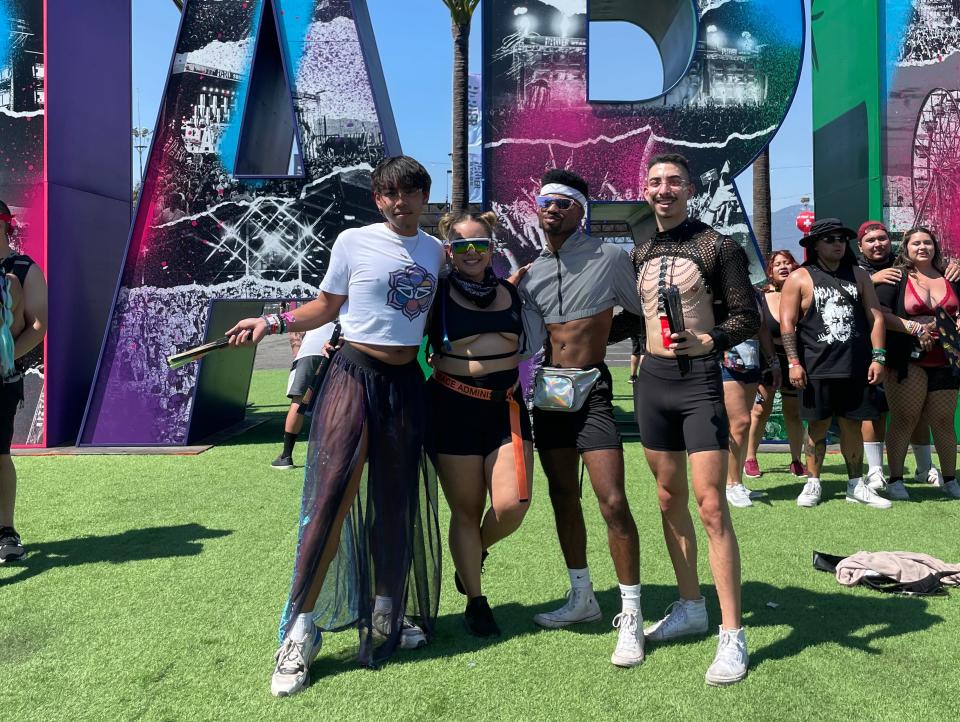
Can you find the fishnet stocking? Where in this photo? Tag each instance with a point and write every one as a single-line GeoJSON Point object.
{"type": "Point", "coordinates": [909, 401]}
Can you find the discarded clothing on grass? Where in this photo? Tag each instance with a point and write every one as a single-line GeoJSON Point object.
{"type": "Point", "coordinates": [897, 572]}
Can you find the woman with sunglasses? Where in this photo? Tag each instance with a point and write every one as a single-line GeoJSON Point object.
{"type": "Point", "coordinates": [779, 268]}
{"type": "Point", "coordinates": [922, 381]}
{"type": "Point", "coordinates": [478, 430]}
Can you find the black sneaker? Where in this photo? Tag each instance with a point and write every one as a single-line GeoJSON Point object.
{"type": "Point", "coordinates": [478, 619]}
{"type": "Point", "coordinates": [10, 547]}
{"type": "Point", "coordinates": [282, 463]}
{"type": "Point", "coordinates": [632, 380]}
{"type": "Point", "coordinates": [456, 577]}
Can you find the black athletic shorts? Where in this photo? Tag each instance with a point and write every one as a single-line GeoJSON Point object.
{"type": "Point", "coordinates": [463, 426]}
{"type": "Point", "coordinates": [681, 413]}
{"type": "Point", "coordinates": [846, 398]}
{"type": "Point", "coordinates": [11, 398]}
{"type": "Point", "coordinates": [589, 429]}
{"type": "Point", "coordinates": [637, 346]}
{"type": "Point", "coordinates": [941, 378]}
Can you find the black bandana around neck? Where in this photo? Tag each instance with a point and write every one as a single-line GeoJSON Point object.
{"type": "Point", "coordinates": [481, 292]}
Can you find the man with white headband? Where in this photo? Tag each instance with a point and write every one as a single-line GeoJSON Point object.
{"type": "Point", "coordinates": [569, 293]}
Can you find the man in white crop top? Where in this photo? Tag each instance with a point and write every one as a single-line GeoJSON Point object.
{"type": "Point", "coordinates": [365, 461]}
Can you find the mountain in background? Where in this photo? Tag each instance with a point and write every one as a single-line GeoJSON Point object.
{"type": "Point", "coordinates": [783, 224]}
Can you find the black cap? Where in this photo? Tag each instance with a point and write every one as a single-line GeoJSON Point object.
{"type": "Point", "coordinates": [825, 227]}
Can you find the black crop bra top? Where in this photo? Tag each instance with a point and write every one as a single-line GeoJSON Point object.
{"type": "Point", "coordinates": [452, 322]}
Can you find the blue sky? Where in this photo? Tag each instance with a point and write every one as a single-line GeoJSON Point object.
{"type": "Point", "coordinates": [413, 38]}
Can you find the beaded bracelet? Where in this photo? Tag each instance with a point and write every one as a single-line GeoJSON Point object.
{"type": "Point", "coordinates": [274, 323]}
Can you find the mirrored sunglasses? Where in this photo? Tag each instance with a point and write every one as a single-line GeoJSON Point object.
{"type": "Point", "coordinates": [463, 245]}
{"type": "Point", "coordinates": [563, 204]}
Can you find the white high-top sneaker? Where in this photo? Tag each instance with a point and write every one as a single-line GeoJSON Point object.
{"type": "Point", "coordinates": [860, 493]}
{"type": "Point", "coordinates": [292, 672]}
{"type": "Point", "coordinates": [629, 651]}
{"type": "Point", "coordinates": [730, 664]}
{"type": "Point", "coordinates": [875, 480]}
{"type": "Point", "coordinates": [683, 617]}
{"type": "Point", "coordinates": [581, 606]}
{"type": "Point", "coordinates": [739, 496]}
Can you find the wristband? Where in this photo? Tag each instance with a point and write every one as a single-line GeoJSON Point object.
{"type": "Point", "coordinates": [274, 324]}
{"type": "Point", "coordinates": [794, 365]}
{"type": "Point", "coordinates": [286, 319]}
{"type": "Point", "coordinates": [878, 352]}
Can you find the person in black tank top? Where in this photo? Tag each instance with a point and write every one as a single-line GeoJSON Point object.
{"type": "Point", "coordinates": [478, 430]}
{"type": "Point", "coordinates": [833, 334]}
{"type": "Point", "coordinates": [27, 329]}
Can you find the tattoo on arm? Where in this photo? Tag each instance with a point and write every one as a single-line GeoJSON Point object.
{"type": "Point", "coordinates": [790, 345]}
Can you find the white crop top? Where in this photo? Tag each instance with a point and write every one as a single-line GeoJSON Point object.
{"type": "Point", "coordinates": [389, 281]}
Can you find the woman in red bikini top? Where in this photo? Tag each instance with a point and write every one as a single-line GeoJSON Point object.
{"type": "Point", "coordinates": [921, 381]}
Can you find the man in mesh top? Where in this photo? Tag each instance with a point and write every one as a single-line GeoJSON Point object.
{"type": "Point", "coordinates": [678, 399]}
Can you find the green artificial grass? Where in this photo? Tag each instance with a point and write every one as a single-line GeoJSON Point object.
{"type": "Point", "coordinates": [154, 586]}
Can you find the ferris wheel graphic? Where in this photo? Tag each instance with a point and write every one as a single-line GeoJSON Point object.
{"type": "Point", "coordinates": [936, 162]}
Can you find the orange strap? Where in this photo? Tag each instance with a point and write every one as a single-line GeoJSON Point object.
{"type": "Point", "coordinates": [516, 437]}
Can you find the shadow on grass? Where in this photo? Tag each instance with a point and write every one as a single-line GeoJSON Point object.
{"type": "Point", "coordinates": [834, 485]}
{"type": "Point", "coordinates": [129, 546]}
{"type": "Point", "coordinates": [813, 618]}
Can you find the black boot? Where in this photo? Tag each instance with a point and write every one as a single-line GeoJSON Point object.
{"type": "Point", "coordinates": [456, 577]}
{"type": "Point", "coordinates": [478, 619]}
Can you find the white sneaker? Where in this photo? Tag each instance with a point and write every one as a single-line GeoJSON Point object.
{"type": "Point", "coordinates": [411, 636]}
{"type": "Point", "coordinates": [952, 489]}
{"type": "Point", "coordinates": [292, 672]}
{"type": "Point", "coordinates": [581, 606]}
{"type": "Point", "coordinates": [810, 496]}
{"type": "Point", "coordinates": [629, 651]}
{"type": "Point", "coordinates": [681, 618]}
{"type": "Point", "coordinates": [739, 496]}
{"type": "Point", "coordinates": [875, 480]}
{"type": "Point", "coordinates": [934, 477]}
{"type": "Point", "coordinates": [898, 491]}
{"type": "Point", "coordinates": [730, 664]}
{"type": "Point", "coordinates": [860, 493]}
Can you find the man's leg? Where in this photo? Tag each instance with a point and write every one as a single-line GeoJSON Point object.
{"type": "Point", "coordinates": [795, 432]}
{"type": "Point", "coordinates": [670, 471]}
{"type": "Point", "coordinates": [605, 467]}
{"type": "Point", "coordinates": [874, 432]}
{"type": "Point", "coordinates": [560, 467]}
{"type": "Point", "coordinates": [291, 430]}
{"type": "Point", "coordinates": [851, 446]}
{"type": "Point", "coordinates": [758, 425]}
{"type": "Point", "coordinates": [816, 451]}
{"type": "Point", "coordinates": [634, 365]}
{"type": "Point", "coordinates": [707, 471]}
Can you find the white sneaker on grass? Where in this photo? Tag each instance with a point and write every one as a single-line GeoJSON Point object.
{"type": "Point", "coordinates": [860, 493]}
{"type": "Point", "coordinates": [932, 476]}
{"type": "Point", "coordinates": [810, 496]}
{"type": "Point", "coordinates": [629, 651]}
{"type": "Point", "coordinates": [581, 606]}
{"type": "Point", "coordinates": [292, 672]}
{"type": "Point", "coordinates": [896, 490]}
{"type": "Point", "coordinates": [739, 496]}
{"type": "Point", "coordinates": [730, 664]}
{"type": "Point", "coordinates": [875, 480]}
{"type": "Point", "coordinates": [951, 489]}
{"type": "Point", "coordinates": [411, 636]}
{"type": "Point", "coordinates": [683, 617]}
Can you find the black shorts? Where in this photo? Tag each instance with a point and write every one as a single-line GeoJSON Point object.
{"type": "Point", "coordinates": [463, 426]}
{"type": "Point", "coordinates": [11, 399]}
{"type": "Point", "coordinates": [302, 373]}
{"type": "Point", "coordinates": [846, 398]}
{"type": "Point", "coordinates": [637, 346]}
{"type": "Point", "coordinates": [681, 413]}
{"type": "Point", "coordinates": [941, 378]}
{"type": "Point", "coordinates": [589, 429]}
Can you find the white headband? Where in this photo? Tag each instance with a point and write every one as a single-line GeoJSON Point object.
{"type": "Point", "coordinates": [559, 189]}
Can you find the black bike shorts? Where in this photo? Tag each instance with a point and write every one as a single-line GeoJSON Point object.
{"type": "Point", "coordinates": [681, 412]}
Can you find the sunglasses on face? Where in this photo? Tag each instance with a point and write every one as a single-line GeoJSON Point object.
{"type": "Point", "coordinates": [835, 239]}
{"type": "Point", "coordinates": [563, 204]}
{"type": "Point", "coordinates": [479, 245]}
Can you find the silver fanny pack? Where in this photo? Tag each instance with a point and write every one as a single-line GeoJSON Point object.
{"type": "Point", "coordinates": [563, 389]}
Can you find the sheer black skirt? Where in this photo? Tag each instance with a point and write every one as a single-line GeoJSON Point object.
{"type": "Point", "coordinates": [390, 541]}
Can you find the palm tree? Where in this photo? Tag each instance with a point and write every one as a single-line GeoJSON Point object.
{"type": "Point", "coordinates": [461, 13]}
{"type": "Point", "coordinates": [761, 202]}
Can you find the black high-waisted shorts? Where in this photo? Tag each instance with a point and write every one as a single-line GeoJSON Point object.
{"type": "Point", "coordinates": [464, 426]}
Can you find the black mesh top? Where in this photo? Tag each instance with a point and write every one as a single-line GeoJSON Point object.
{"type": "Point", "coordinates": [725, 269]}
